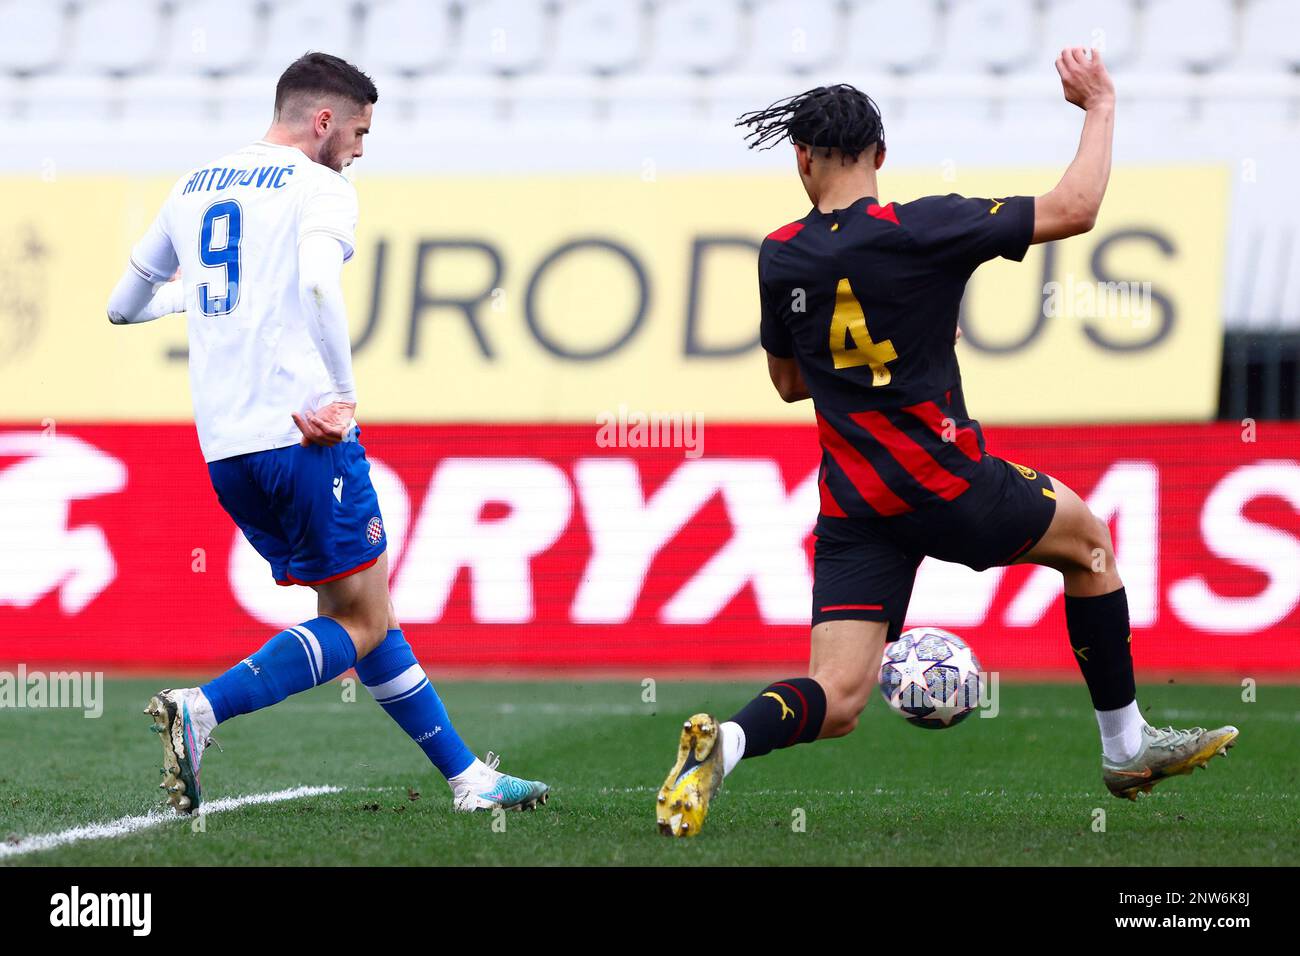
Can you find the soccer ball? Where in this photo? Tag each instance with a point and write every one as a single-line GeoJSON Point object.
{"type": "Point", "coordinates": [930, 677]}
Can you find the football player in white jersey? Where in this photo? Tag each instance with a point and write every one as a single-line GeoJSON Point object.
{"type": "Point", "coordinates": [260, 237]}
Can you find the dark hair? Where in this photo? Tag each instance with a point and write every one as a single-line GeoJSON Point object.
{"type": "Point", "coordinates": [323, 73]}
{"type": "Point", "coordinates": [834, 117]}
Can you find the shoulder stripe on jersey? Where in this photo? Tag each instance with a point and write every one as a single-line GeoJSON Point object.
{"type": "Point", "coordinates": [932, 416]}
{"type": "Point", "coordinates": [883, 212]}
{"type": "Point", "coordinates": [788, 231]}
{"type": "Point", "coordinates": [918, 462]}
{"type": "Point", "coordinates": [860, 472]}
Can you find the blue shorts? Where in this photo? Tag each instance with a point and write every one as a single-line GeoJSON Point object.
{"type": "Point", "coordinates": [311, 511]}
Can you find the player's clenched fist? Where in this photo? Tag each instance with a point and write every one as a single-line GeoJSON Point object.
{"type": "Point", "coordinates": [1084, 78]}
{"type": "Point", "coordinates": [328, 425]}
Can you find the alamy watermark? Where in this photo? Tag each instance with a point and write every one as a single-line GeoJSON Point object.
{"type": "Point", "coordinates": [75, 908]}
{"type": "Point", "coordinates": [1098, 300]}
{"type": "Point", "coordinates": [73, 690]}
{"type": "Point", "coordinates": [629, 428]}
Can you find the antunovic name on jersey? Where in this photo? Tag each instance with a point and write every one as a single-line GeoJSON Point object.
{"type": "Point", "coordinates": [215, 178]}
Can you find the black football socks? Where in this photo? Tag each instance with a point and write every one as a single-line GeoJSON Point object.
{"type": "Point", "coordinates": [1101, 638]}
{"type": "Point", "coordinates": [786, 713]}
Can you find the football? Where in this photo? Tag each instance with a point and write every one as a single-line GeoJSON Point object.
{"type": "Point", "coordinates": [930, 677]}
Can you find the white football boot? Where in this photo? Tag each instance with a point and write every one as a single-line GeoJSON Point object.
{"type": "Point", "coordinates": [1166, 753]}
{"type": "Point", "coordinates": [483, 787]}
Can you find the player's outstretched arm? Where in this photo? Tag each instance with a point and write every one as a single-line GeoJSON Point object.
{"type": "Point", "coordinates": [135, 299]}
{"type": "Point", "coordinates": [320, 292]}
{"type": "Point", "coordinates": [1071, 207]}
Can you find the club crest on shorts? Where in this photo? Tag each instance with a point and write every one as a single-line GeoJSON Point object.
{"type": "Point", "coordinates": [1026, 472]}
{"type": "Point", "coordinates": [374, 530]}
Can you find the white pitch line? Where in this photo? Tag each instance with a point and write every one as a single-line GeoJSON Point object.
{"type": "Point", "coordinates": [546, 708]}
{"type": "Point", "coordinates": [125, 825]}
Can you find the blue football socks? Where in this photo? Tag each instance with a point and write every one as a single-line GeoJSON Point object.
{"type": "Point", "coordinates": [400, 686]}
{"type": "Point", "coordinates": [294, 660]}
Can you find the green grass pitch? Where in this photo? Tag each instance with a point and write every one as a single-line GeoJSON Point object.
{"type": "Point", "coordinates": [1021, 788]}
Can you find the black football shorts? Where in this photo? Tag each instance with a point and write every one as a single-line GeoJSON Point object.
{"type": "Point", "coordinates": [864, 568]}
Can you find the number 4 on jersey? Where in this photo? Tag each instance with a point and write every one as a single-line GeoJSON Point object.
{"type": "Point", "coordinates": [851, 343]}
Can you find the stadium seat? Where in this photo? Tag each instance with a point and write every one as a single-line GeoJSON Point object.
{"type": "Point", "coordinates": [447, 101]}
{"type": "Point", "coordinates": [1269, 29]}
{"type": "Point", "coordinates": [555, 99]}
{"type": "Point", "coordinates": [686, 36]}
{"type": "Point", "coordinates": [34, 36]}
{"type": "Point", "coordinates": [982, 35]}
{"type": "Point", "coordinates": [406, 36]}
{"type": "Point", "coordinates": [118, 37]}
{"type": "Point", "coordinates": [441, 102]}
{"type": "Point", "coordinates": [1235, 116]}
{"type": "Point", "coordinates": [1186, 34]}
{"type": "Point", "coordinates": [1109, 25]}
{"type": "Point", "coordinates": [296, 26]}
{"type": "Point", "coordinates": [665, 100]}
{"type": "Point", "coordinates": [1158, 100]}
{"type": "Point", "coordinates": [214, 37]}
{"type": "Point", "coordinates": [732, 95]}
{"type": "Point", "coordinates": [173, 99]}
{"type": "Point", "coordinates": [797, 38]}
{"type": "Point", "coordinates": [1241, 104]}
{"type": "Point", "coordinates": [1035, 108]}
{"type": "Point", "coordinates": [959, 104]}
{"type": "Point", "coordinates": [1186, 67]}
{"type": "Point", "coordinates": [247, 99]}
{"type": "Point", "coordinates": [883, 35]}
{"type": "Point", "coordinates": [598, 36]}
{"type": "Point", "coordinates": [502, 36]}
{"type": "Point", "coordinates": [247, 116]}
{"type": "Point", "coordinates": [67, 99]}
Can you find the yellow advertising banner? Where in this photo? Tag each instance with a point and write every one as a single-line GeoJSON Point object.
{"type": "Point", "coordinates": [559, 298]}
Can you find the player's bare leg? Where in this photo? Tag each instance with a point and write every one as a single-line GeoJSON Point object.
{"type": "Point", "coordinates": [844, 665]}
{"type": "Point", "coordinates": [1135, 756]}
{"type": "Point", "coordinates": [360, 603]}
{"type": "Point", "coordinates": [1078, 544]}
{"type": "Point", "coordinates": [845, 661]}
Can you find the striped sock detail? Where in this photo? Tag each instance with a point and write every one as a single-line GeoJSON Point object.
{"type": "Point", "coordinates": [310, 647]}
{"type": "Point", "coordinates": [406, 684]}
{"type": "Point", "coordinates": [399, 685]}
{"type": "Point", "coordinates": [296, 659]}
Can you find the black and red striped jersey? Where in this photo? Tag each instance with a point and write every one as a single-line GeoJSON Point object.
{"type": "Point", "coordinates": [866, 300]}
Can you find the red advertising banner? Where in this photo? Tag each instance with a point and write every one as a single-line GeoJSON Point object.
{"type": "Point", "coordinates": [550, 546]}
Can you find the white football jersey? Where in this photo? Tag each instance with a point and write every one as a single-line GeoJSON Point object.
{"type": "Point", "coordinates": [233, 227]}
